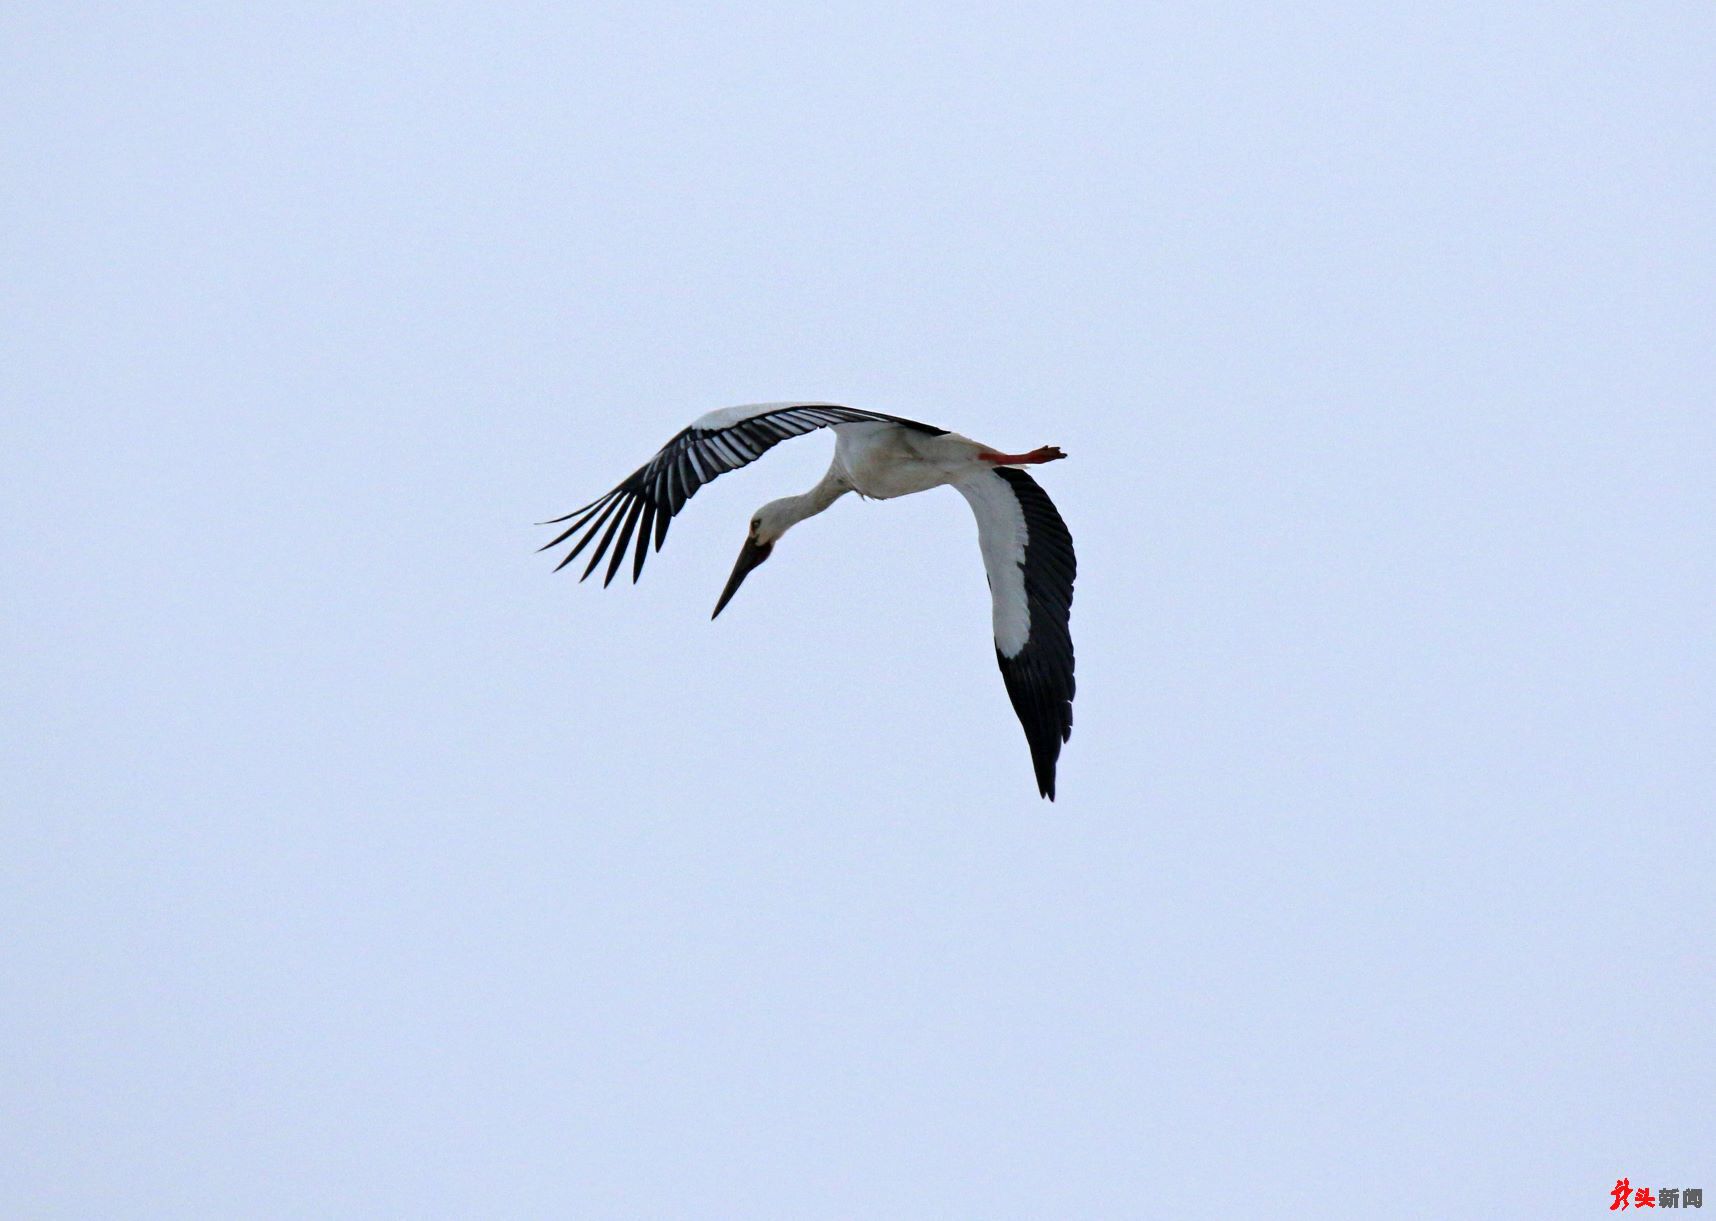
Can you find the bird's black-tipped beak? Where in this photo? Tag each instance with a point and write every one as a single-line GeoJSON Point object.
{"type": "Point", "coordinates": [750, 556]}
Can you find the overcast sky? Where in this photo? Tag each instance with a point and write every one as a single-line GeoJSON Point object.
{"type": "Point", "coordinates": [357, 866]}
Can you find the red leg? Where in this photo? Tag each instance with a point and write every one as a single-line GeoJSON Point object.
{"type": "Point", "coordinates": [1044, 453]}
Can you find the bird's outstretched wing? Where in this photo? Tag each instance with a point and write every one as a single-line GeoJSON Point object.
{"type": "Point", "coordinates": [716, 443]}
{"type": "Point", "coordinates": [1028, 555]}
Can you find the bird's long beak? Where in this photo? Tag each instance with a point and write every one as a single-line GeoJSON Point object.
{"type": "Point", "coordinates": [752, 554]}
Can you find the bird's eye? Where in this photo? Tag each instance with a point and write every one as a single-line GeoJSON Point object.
{"type": "Point", "coordinates": [756, 524]}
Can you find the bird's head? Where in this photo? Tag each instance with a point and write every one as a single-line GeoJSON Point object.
{"type": "Point", "coordinates": [767, 525]}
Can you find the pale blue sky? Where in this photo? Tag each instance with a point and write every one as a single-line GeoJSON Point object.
{"type": "Point", "coordinates": [356, 866]}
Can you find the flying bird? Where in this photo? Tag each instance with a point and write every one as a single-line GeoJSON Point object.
{"type": "Point", "coordinates": [1027, 551]}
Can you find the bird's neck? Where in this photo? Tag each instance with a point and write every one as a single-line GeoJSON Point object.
{"type": "Point", "coordinates": [830, 489]}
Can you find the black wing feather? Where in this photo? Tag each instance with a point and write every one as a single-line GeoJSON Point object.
{"type": "Point", "coordinates": [1040, 678]}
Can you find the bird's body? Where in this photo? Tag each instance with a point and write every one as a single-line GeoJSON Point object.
{"type": "Point", "coordinates": [880, 461]}
{"type": "Point", "coordinates": [1027, 551]}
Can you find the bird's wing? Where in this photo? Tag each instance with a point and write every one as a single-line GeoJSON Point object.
{"type": "Point", "coordinates": [1028, 555]}
{"type": "Point", "coordinates": [716, 443]}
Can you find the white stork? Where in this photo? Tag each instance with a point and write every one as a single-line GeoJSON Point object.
{"type": "Point", "coordinates": [1027, 551]}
